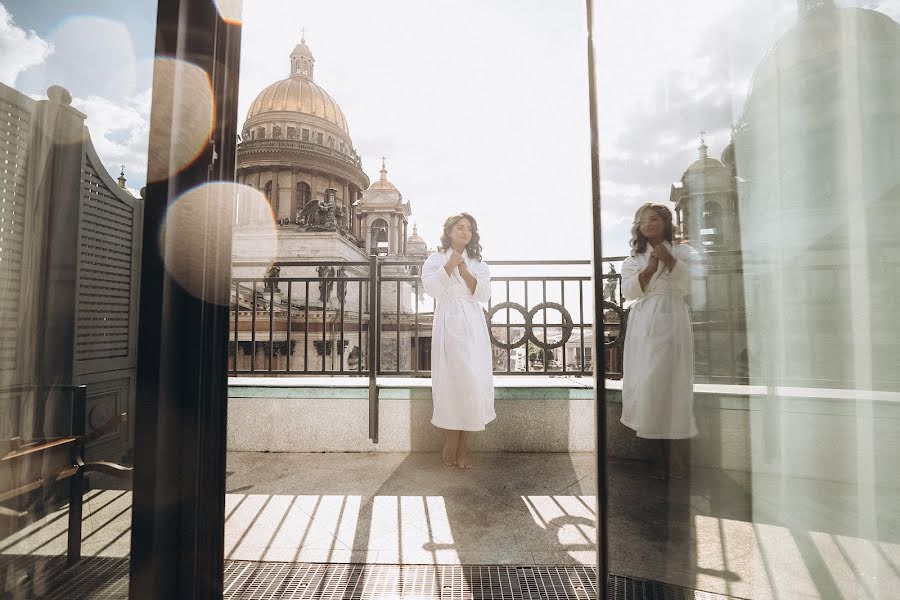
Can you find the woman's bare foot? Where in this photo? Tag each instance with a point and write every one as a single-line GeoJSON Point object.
{"type": "Point", "coordinates": [451, 448]}
{"type": "Point", "coordinates": [677, 473]}
{"type": "Point", "coordinates": [448, 457]}
{"type": "Point", "coordinates": [658, 464]}
{"type": "Point", "coordinates": [676, 459]}
{"type": "Point", "coordinates": [462, 451]}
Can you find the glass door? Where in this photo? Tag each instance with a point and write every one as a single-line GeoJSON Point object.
{"type": "Point", "coordinates": [749, 445]}
{"type": "Point", "coordinates": [75, 110]}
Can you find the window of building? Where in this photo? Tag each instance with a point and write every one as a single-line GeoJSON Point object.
{"type": "Point", "coordinates": [378, 237]}
{"type": "Point", "coordinates": [276, 132]}
{"type": "Point", "coordinates": [319, 137]}
{"type": "Point", "coordinates": [330, 142]}
{"type": "Point", "coordinates": [262, 133]}
{"type": "Point", "coordinates": [292, 133]}
{"type": "Point", "coordinates": [304, 136]}
{"type": "Point", "coordinates": [711, 232]}
{"type": "Point", "coordinates": [303, 194]}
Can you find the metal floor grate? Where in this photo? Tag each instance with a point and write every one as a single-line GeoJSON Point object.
{"type": "Point", "coordinates": [107, 579]}
{"type": "Point", "coordinates": [247, 580]}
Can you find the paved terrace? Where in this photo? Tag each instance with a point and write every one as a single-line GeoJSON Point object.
{"type": "Point", "coordinates": [721, 530]}
{"type": "Point", "coordinates": [391, 508]}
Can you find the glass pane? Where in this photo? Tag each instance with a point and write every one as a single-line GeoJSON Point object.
{"type": "Point", "coordinates": [752, 446]}
{"type": "Point", "coordinates": [74, 113]}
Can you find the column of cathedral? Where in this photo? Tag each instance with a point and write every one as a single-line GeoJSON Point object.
{"type": "Point", "coordinates": [278, 207]}
{"type": "Point", "coordinates": [258, 214]}
{"type": "Point", "coordinates": [294, 199]}
{"type": "Point", "coordinates": [346, 202]}
{"type": "Point", "coordinates": [396, 235]}
{"type": "Point", "coordinates": [403, 244]}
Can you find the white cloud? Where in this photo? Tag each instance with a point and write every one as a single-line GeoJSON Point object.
{"type": "Point", "coordinates": [93, 56]}
{"type": "Point", "coordinates": [120, 131]}
{"type": "Point", "coordinates": [889, 7]}
{"type": "Point", "coordinates": [118, 117]}
{"type": "Point", "coordinates": [20, 49]}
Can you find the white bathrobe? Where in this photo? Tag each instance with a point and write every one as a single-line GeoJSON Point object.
{"type": "Point", "coordinates": [658, 378]}
{"type": "Point", "coordinates": [462, 380]}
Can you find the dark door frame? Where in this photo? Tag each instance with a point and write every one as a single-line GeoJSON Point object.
{"type": "Point", "coordinates": [600, 473]}
{"type": "Point", "coordinates": [177, 543]}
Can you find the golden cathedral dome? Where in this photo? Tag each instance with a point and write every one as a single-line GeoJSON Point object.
{"type": "Point", "coordinates": [302, 95]}
{"type": "Point", "coordinates": [299, 93]}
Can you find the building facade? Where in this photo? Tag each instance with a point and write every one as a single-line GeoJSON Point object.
{"type": "Point", "coordinates": [820, 201]}
{"type": "Point", "coordinates": [707, 215]}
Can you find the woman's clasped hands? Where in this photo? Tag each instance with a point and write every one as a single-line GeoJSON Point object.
{"type": "Point", "coordinates": [456, 259]}
{"type": "Point", "coordinates": [661, 254]}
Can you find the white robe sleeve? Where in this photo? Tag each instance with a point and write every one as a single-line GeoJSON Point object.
{"type": "Point", "coordinates": [631, 285]}
{"type": "Point", "coordinates": [482, 275]}
{"type": "Point", "coordinates": [687, 264]}
{"type": "Point", "coordinates": [434, 276]}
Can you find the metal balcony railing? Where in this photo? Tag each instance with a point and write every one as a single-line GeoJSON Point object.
{"type": "Point", "coordinates": [372, 319]}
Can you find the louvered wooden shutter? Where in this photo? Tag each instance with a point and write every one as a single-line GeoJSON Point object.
{"type": "Point", "coordinates": [15, 137]}
{"type": "Point", "coordinates": [108, 271]}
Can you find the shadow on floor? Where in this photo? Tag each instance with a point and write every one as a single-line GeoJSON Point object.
{"type": "Point", "coordinates": [408, 508]}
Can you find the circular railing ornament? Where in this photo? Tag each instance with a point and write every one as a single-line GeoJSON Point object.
{"type": "Point", "coordinates": [619, 340]}
{"type": "Point", "coordinates": [568, 325]}
{"type": "Point", "coordinates": [489, 315]}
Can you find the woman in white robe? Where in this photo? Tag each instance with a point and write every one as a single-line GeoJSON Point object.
{"type": "Point", "coordinates": [462, 381]}
{"type": "Point", "coordinates": [658, 378]}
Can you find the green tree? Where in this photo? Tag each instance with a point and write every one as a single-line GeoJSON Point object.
{"type": "Point", "coordinates": [536, 353]}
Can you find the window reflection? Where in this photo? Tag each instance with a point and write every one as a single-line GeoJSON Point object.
{"type": "Point", "coordinates": [792, 202]}
{"type": "Point", "coordinates": [73, 157]}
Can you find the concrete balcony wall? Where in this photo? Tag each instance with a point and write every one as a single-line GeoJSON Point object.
{"type": "Point", "coordinates": [267, 415]}
{"type": "Point", "coordinates": [800, 433]}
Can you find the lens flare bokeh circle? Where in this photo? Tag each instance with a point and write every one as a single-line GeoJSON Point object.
{"type": "Point", "coordinates": [194, 238]}
{"type": "Point", "coordinates": [182, 117]}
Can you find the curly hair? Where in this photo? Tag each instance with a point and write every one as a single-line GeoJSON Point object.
{"type": "Point", "coordinates": [473, 247]}
{"type": "Point", "coordinates": [638, 241]}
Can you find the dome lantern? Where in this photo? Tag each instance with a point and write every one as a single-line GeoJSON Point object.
{"type": "Point", "coordinates": [302, 61]}
{"type": "Point", "coordinates": [298, 93]}
{"type": "Point", "coordinates": [415, 244]}
{"type": "Point", "coordinates": [383, 183]}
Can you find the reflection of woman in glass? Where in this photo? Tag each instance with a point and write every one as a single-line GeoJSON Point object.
{"type": "Point", "coordinates": [462, 380]}
{"type": "Point", "coordinates": [658, 379]}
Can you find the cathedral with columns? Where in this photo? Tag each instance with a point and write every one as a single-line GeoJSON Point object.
{"type": "Point", "coordinates": [295, 149]}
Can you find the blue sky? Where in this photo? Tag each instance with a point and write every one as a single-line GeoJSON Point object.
{"type": "Point", "coordinates": [477, 105]}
